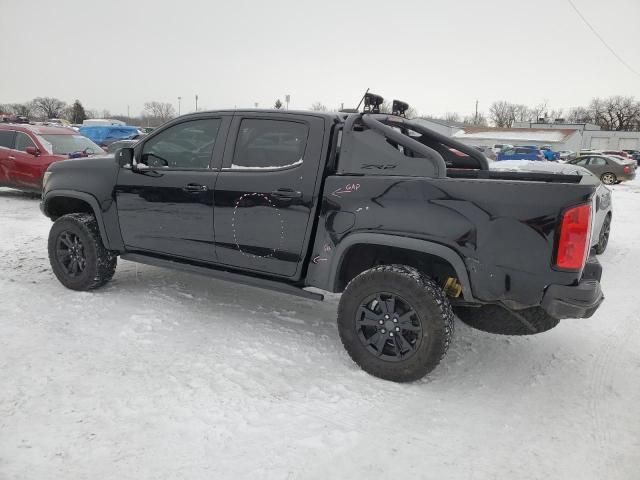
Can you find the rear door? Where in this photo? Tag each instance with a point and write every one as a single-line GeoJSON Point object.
{"type": "Point", "coordinates": [165, 205]}
{"type": "Point", "coordinates": [267, 191]}
{"type": "Point", "coordinates": [598, 165]}
{"type": "Point", "coordinates": [6, 157]}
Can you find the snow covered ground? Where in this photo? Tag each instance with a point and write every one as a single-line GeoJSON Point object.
{"type": "Point", "coordinates": [164, 375]}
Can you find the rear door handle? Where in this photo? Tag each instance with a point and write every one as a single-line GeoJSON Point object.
{"type": "Point", "coordinates": [286, 193]}
{"type": "Point", "coordinates": [195, 187]}
{"type": "Point", "coordinates": [11, 158]}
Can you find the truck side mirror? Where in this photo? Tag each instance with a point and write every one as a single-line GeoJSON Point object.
{"type": "Point", "coordinates": [124, 157]}
{"type": "Point", "coordinates": [32, 151]}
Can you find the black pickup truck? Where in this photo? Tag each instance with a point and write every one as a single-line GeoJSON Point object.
{"type": "Point", "coordinates": [407, 224]}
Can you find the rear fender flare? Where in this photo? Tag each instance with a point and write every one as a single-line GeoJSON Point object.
{"type": "Point", "coordinates": [423, 246]}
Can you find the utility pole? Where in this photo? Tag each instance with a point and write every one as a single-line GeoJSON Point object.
{"type": "Point", "coordinates": [196, 102]}
{"type": "Point", "coordinates": [129, 116]}
{"type": "Point", "coordinates": [179, 99]}
{"type": "Point", "coordinates": [255, 104]}
{"type": "Point", "coordinates": [287, 98]}
{"type": "Point", "coordinates": [475, 119]}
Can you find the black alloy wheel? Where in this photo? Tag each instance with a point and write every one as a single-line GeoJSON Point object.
{"type": "Point", "coordinates": [70, 253]}
{"type": "Point", "coordinates": [388, 327]}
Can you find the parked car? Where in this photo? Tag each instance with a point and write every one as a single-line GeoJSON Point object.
{"type": "Point", "coordinates": [498, 147]}
{"type": "Point", "coordinates": [635, 154]}
{"type": "Point", "coordinates": [550, 154]}
{"type": "Point", "coordinates": [287, 200]}
{"type": "Point", "coordinates": [104, 135]}
{"type": "Point", "coordinates": [488, 152]}
{"type": "Point", "coordinates": [521, 153]}
{"type": "Point", "coordinates": [603, 206]}
{"type": "Point", "coordinates": [26, 151]}
{"type": "Point", "coordinates": [618, 153]}
{"type": "Point", "coordinates": [567, 154]}
{"type": "Point", "coordinates": [115, 146]}
{"type": "Point", "coordinates": [609, 169]}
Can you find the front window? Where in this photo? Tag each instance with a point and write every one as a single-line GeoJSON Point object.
{"type": "Point", "coordinates": [188, 145]}
{"type": "Point", "coordinates": [23, 141]}
{"type": "Point", "coordinates": [66, 144]}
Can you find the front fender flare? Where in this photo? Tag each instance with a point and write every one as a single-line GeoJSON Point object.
{"type": "Point", "coordinates": [86, 197]}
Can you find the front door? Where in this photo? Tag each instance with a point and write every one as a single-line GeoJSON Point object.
{"type": "Point", "coordinates": [165, 204]}
{"type": "Point", "coordinates": [266, 192]}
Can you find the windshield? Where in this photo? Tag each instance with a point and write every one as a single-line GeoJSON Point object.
{"type": "Point", "coordinates": [66, 144]}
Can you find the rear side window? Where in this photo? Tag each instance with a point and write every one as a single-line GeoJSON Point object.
{"type": "Point", "coordinates": [23, 141]}
{"type": "Point", "coordinates": [265, 143]}
{"type": "Point", "coordinates": [598, 161]}
{"type": "Point", "coordinates": [6, 138]}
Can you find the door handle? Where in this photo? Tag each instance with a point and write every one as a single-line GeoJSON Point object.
{"type": "Point", "coordinates": [11, 158]}
{"type": "Point", "coordinates": [286, 193]}
{"type": "Point", "coordinates": [194, 188]}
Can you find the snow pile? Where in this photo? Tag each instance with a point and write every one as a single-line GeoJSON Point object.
{"type": "Point", "coordinates": [167, 376]}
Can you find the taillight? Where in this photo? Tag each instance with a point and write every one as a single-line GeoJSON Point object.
{"type": "Point", "coordinates": [627, 169]}
{"type": "Point", "coordinates": [573, 246]}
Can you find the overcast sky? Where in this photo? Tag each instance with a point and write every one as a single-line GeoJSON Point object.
{"type": "Point", "coordinates": [439, 56]}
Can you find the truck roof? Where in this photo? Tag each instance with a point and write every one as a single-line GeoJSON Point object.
{"type": "Point", "coordinates": [329, 115]}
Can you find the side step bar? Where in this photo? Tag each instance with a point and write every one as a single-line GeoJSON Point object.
{"type": "Point", "coordinates": [222, 275]}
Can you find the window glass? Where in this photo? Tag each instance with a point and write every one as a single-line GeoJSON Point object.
{"type": "Point", "coordinates": [6, 138]}
{"type": "Point", "coordinates": [598, 161]}
{"type": "Point", "coordinates": [264, 143]}
{"type": "Point", "coordinates": [510, 151]}
{"type": "Point", "coordinates": [582, 161]}
{"type": "Point", "coordinates": [186, 145]}
{"type": "Point", "coordinates": [23, 141]}
{"type": "Point", "coordinates": [64, 144]}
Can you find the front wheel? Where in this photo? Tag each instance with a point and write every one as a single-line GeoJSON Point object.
{"type": "Point", "coordinates": [608, 178]}
{"type": "Point", "coordinates": [395, 323]}
{"type": "Point", "coordinates": [78, 258]}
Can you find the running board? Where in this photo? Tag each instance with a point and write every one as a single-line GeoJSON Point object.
{"type": "Point", "coordinates": [222, 275]}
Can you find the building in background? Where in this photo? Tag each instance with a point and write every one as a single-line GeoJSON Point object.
{"type": "Point", "coordinates": [592, 136]}
{"type": "Point", "coordinates": [556, 138]}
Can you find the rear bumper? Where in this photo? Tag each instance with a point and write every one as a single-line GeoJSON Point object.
{"type": "Point", "coordinates": [577, 301]}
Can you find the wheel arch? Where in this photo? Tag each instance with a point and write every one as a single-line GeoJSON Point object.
{"type": "Point", "coordinates": [57, 203]}
{"type": "Point", "coordinates": [360, 251]}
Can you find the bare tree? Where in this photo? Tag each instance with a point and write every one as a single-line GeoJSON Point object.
{"type": "Point", "coordinates": [26, 109]}
{"type": "Point", "coordinates": [539, 111]}
{"type": "Point", "coordinates": [159, 112]}
{"type": "Point", "coordinates": [501, 114]}
{"type": "Point", "coordinates": [476, 120]}
{"type": "Point", "coordinates": [318, 107]}
{"type": "Point", "coordinates": [48, 107]}
{"type": "Point", "coordinates": [451, 117]}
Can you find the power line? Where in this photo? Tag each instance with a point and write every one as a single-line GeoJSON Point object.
{"type": "Point", "coordinates": [631, 69]}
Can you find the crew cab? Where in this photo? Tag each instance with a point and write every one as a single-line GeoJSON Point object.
{"type": "Point", "coordinates": [26, 151]}
{"type": "Point", "coordinates": [370, 205]}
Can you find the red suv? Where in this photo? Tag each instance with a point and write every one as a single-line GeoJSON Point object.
{"type": "Point", "coordinates": [27, 150]}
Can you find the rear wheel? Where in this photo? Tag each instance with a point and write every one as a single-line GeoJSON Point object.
{"type": "Point", "coordinates": [603, 238]}
{"type": "Point", "coordinates": [395, 323]}
{"type": "Point", "coordinates": [78, 258]}
{"type": "Point", "coordinates": [609, 178]}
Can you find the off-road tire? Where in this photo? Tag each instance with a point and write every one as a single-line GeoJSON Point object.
{"type": "Point", "coordinates": [100, 263]}
{"type": "Point", "coordinates": [499, 320]}
{"type": "Point", "coordinates": [603, 236]}
{"type": "Point", "coordinates": [424, 297]}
